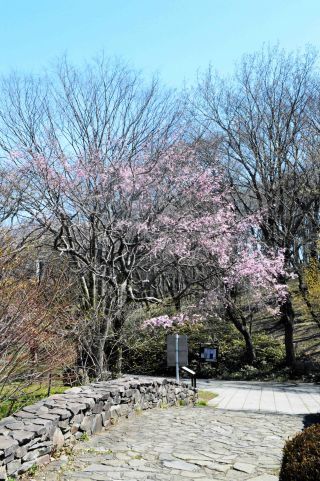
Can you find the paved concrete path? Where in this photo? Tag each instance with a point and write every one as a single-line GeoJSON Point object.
{"type": "Point", "coordinates": [286, 398]}
{"type": "Point", "coordinates": [179, 444]}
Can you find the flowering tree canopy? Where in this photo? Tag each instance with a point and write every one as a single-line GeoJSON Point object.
{"type": "Point", "coordinates": [98, 165]}
{"type": "Point", "coordinates": [127, 224]}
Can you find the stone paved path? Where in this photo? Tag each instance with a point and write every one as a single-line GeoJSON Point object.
{"type": "Point", "coordinates": [287, 398]}
{"type": "Point", "coordinates": [179, 444]}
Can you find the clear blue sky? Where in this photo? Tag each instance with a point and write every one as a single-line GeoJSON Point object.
{"type": "Point", "coordinates": [172, 37]}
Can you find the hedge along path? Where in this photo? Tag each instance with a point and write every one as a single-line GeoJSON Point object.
{"type": "Point", "coordinates": [30, 436]}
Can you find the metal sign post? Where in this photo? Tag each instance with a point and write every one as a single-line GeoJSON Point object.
{"type": "Point", "coordinates": [177, 357]}
{"type": "Point", "coordinates": [177, 352]}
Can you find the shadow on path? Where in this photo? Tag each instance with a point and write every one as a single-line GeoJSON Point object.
{"type": "Point", "coordinates": [310, 419]}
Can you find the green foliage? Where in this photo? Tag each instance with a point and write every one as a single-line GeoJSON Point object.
{"type": "Point", "coordinates": [206, 395]}
{"type": "Point", "coordinates": [32, 471]}
{"type": "Point", "coordinates": [84, 437]}
{"type": "Point", "coordinates": [137, 456]}
{"type": "Point", "coordinates": [201, 403]}
{"type": "Point", "coordinates": [147, 355]}
{"type": "Point", "coordinates": [312, 279]}
{"type": "Point", "coordinates": [29, 395]}
{"type": "Point", "coordinates": [269, 351]}
{"type": "Point", "coordinates": [301, 461]}
{"type": "Point", "coordinates": [146, 351]}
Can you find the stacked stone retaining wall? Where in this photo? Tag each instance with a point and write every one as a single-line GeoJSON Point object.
{"type": "Point", "coordinates": [29, 437]}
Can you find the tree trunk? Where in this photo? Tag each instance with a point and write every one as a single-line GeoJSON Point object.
{"type": "Point", "coordinates": [99, 358]}
{"type": "Point", "coordinates": [250, 350]}
{"type": "Point", "coordinates": [92, 357]}
{"type": "Point", "coordinates": [91, 360]}
{"type": "Point", "coordinates": [118, 360]}
{"type": "Point", "coordinates": [287, 319]}
{"type": "Point", "coordinates": [117, 347]}
{"type": "Point", "coordinates": [241, 326]}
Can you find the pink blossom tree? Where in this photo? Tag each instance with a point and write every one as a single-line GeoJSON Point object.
{"type": "Point", "coordinates": [98, 166]}
{"type": "Point", "coordinates": [238, 269]}
{"type": "Point", "coordinates": [123, 225]}
{"type": "Point", "coordinates": [71, 141]}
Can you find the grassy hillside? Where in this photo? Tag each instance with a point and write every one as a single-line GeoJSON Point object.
{"type": "Point", "coordinates": [307, 332]}
{"type": "Point", "coordinates": [146, 351]}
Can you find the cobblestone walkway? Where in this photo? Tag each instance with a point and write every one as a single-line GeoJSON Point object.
{"type": "Point", "coordinates": [178, 444]}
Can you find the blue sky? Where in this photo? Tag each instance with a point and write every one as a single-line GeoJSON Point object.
{"type": "Point", "coordinates": [172, 37]}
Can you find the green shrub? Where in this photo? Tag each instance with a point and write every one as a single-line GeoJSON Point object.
{"type": "Point", "coordinates": [84, 437]}
{"type": "Point", "coordinates": [269, 351]}
{"type": "Point", "coordinates": [146, 354]}
{"type": "Point", "coordinates": [301, 460]}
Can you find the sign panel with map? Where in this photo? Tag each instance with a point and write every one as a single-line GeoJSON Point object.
{"type": "Point", "coordinates": [208, 353]}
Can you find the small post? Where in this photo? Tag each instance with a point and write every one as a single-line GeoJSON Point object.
{"type": "Point", "coordinates": [39, 270]}
{"type": "Point", "coordinates": [177, 357]}
{"type": "Point", "coordinates": [49, 384]}
{"type": "Point", "coordinates": [192, 375]}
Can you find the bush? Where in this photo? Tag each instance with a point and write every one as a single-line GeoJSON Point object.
{"type": "Point", "coordinates": [270, 351]}
{"type": "Point", "coordinates": [301, 460]}
{"type": "Point", "coordinates": [146, 354]}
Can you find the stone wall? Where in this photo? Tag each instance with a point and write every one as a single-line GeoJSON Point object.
{"type": "Point", "coordinates": [30, 436]}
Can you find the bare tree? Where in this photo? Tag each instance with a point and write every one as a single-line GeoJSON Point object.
{"type": "Point", "coordinates": [87, 129]}
{"type": "Point", "coordinates": [262, 117]}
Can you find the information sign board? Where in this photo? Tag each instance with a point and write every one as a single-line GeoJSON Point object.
{"type": "Point", "coordinates": [208, 353]}
{"type": "Point", "coordinates": [182, 350]}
